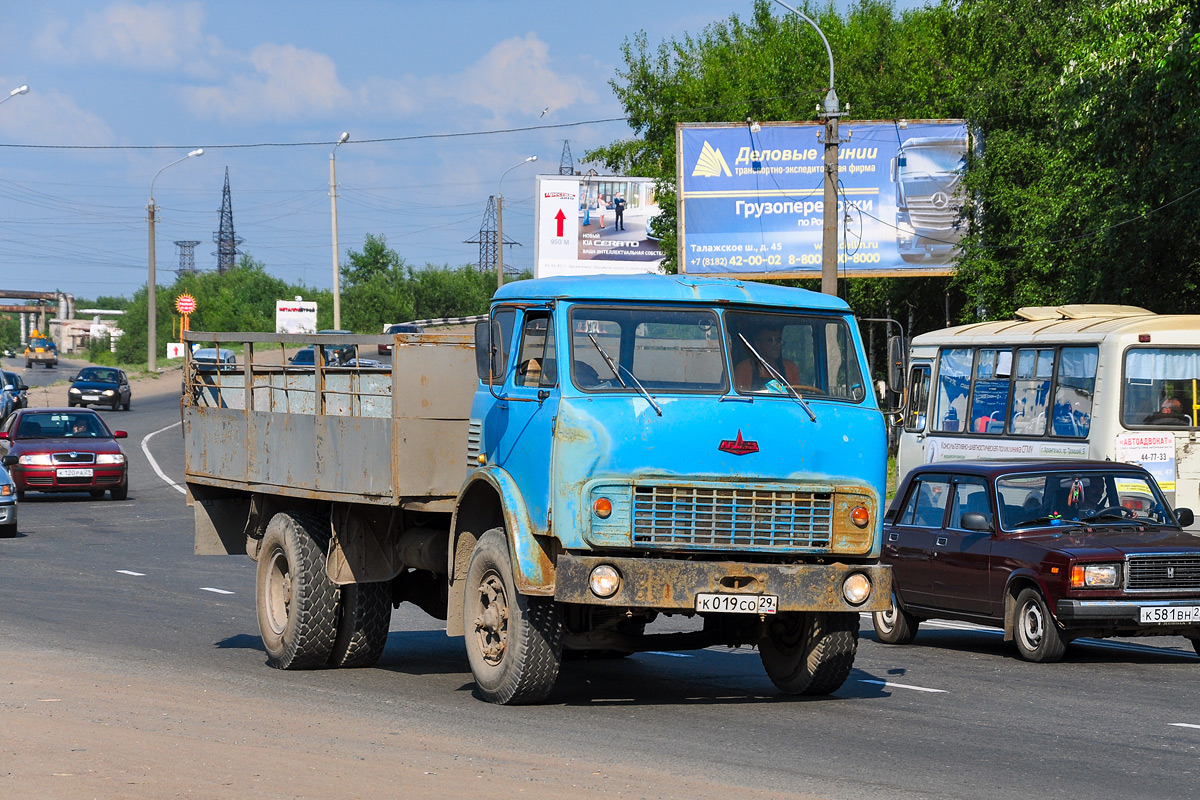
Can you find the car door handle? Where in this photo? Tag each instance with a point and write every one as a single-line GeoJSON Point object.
{"type": "Point", "coordinates": [941, 540]}
{"type": "Point", "coordinates": [893, 537]}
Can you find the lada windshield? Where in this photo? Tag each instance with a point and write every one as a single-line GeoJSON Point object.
{"type": "Point", "coordinates": [815, 355]}
{"type": "Point", "coordinates": [1029, 500]}
{"type": "Point", "coordinates": [665, 350]}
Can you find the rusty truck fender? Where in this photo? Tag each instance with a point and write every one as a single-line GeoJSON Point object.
{"type": "Point", "coordinates": [490, 498]}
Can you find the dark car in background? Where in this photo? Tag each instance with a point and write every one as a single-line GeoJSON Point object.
{"type": "Point", "coordinates": [1049, 551]}
{"type": "Point", "coordinates": [100, 386]}
{"type": "Point", "coordinates": [391, 330]}
{"type": "Point", "coordinates": [214, 359]}
{"type": "Point", "coordinates": [14, 385]}
{"type": "Point", "coordinates": [8, 504]}
{"type": "Point", "coordinates": [63, 450]}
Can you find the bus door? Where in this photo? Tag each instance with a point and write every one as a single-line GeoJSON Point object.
{"type": "Point", "coordinates": [916, 416]}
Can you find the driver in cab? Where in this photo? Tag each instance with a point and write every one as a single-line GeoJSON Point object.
{"type": "Point", "coordinates": [752, 375]}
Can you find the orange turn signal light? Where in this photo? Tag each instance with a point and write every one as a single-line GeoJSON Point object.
{"type": "Point", "coordinates": [860, 516]}
{"type": "Point", "coordinates": [602, 508]}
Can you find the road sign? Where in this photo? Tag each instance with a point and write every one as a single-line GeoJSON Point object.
{"type": "Point", "coordinates": [185, 304]}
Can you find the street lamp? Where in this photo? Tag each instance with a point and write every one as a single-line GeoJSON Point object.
{"type": "Point", "coordinates": [829, 243]}
{"type": "Point", "coordinates": [15, 92]}
{"type": "Point", "coordinates": [152, 313]}
{"type": "Point", "coordinates": [500, 223]}
{"type": "Point", "coordinates": [337, 278]}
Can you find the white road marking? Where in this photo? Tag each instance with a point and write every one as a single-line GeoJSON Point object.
{"type": "Point", "coordinates": [904, 686]}
{"type": "Point", "coordinates": [153, 463]}
{"type": "Point", "coordinates": [131, 572]}
{"type": "Point", "coordinates": [1183, 725]}
{"type": "Point", "coordinates": [215, 591]}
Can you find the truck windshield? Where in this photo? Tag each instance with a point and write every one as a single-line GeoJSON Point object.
{"type": "Point", "coordinates": [939, 160]}
{"type": "Point", "coordinates": [814, 354]}
{"type": "Point", "coordinates": [668, 351]}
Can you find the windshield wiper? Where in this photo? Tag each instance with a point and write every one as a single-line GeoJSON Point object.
{"type": "Point", "coordinates": [1047, 521]}
{"type": "Point", "coordinates": [779, 378]}
{"type": "Point", "coordinates": [616, 371]}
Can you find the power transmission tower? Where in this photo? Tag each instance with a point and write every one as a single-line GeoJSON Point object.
{"type": "Point", "coordinates": [486, 239]}
{"type": "Point", "coordinates": [566, 164]}
{"type": "Point", "coordinates": [227, 241]}
{"type": "Point", "coordinates": [187, 256]}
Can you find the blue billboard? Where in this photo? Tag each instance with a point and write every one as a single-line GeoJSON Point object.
{"type": "Point", "coordinates": [751, 199]}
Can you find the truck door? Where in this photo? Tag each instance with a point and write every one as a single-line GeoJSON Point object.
{"type": "Point", "coordinates": [523, 425]}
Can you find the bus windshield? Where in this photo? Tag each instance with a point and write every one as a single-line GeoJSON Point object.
{"type": "Point", "coordinates": [1161, 387]}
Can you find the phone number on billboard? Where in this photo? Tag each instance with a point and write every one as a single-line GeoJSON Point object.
{"type": "Point", "coordinates": [806, 259]}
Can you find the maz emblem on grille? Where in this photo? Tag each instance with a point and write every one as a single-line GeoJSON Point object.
{"type": "Point", "coordinates": [738, 446]}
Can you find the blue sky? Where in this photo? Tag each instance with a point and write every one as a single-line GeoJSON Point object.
{"type": "Point", "coordinates": [120, 89]}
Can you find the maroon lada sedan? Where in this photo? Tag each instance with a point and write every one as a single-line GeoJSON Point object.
{"type": "Point", "coordinates": [1050, 551]}
{"type": "Point", "coordinates": [64, 450]}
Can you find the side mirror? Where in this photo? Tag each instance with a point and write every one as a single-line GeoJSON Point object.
{"type": "Point", "coordinates": [120, 435]}
{"type": "Point", "coordinates": [10, 461]}
{"type": "Point", "coordinates": [896, 358]}
{"type": "Point", "coordinates": [1185, 516]}
{"type": "Point", "coordinates": [483, 350]}
{"type": "Point", "coordinates": [974, 521]}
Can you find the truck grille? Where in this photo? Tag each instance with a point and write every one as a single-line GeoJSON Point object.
{"type": "Point", "coordinates": [704, 518]}
{"type": "Point", "coordinates": [1163, 573]}
{"type": "Point", "coordinates": [925, 215]}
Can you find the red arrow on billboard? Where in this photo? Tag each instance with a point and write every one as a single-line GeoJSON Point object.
{"type": "Point", "coordinates": [559, 217]}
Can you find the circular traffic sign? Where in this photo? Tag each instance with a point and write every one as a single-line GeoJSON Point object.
{"type": "Point", "coordinates": [185, 304]}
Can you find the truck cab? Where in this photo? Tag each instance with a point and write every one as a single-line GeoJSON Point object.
{"type": "Point", "coordinates": [927, 172]}
{"type": "Point", "coordinates": [41, 350]}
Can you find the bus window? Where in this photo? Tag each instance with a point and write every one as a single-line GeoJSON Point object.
{"type": "Point", "coordinates": [918, 398]}
{"type": "Point", "coordinates": [989, 399]}
{"type": "Point", "coordinates": [1160, 387]}
{"type": "Point", "coordinates": [1074, 390]}
{"type": "Point", "coordinates": [954, 379]}
{"type": "Point", "coordinates": [1031, 392]}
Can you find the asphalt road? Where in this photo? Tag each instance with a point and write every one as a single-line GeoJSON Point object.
{"type": "Point", "coordinates": [956, 714]}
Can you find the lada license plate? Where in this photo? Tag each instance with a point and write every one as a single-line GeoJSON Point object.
{"type": "Point", "coordinates": [737, 603]}
{"type": "Point", "coordinates": [91, 398]}
{"type": "Point", "coordinates": [1170, 614]}
{"type": "Point", "coordinates": [75, 472]}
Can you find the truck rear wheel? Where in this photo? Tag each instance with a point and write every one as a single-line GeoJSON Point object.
{"type": "Point", "coordinates": [514, 641]}
{"type": "Point", "coordinates": [809, 653]}
{"type": "Point", "coordinates": [297, 603]}
{"type": "Point", "coordinates": [365, 614]}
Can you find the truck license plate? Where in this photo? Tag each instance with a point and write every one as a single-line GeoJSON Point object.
{"type": "Point", "coordinates": [1169, 614]}
{"type": "Point", "coordinates": [75, 472]}
{"type": "Point", "coordinates": [737, 603]}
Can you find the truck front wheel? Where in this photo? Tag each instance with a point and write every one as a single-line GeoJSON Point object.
{"type": "Point", "coordinates": [514, 641]}
{"type": "Point", "coordinates": [297, 603]}
{"type": "Point", "coordinates": [809, 653]}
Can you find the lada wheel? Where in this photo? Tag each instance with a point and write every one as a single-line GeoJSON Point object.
{"type": "Point", "coordinates": [364, 616]}
{"type": "Point", "coordinates": [514, 642]}
{"type": "Point", "coordinates": [895, 626]}
{"type": "Point", "coordinates": [809, 653]}
{"type": "Point", "coordinates": [297, 603]}
{"type": "Point", "coordinates": [1035, 631]}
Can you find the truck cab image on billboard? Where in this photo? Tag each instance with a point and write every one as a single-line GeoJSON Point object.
{"type": "Point", "coordinates": [927, 172]}
{"type": "Point", "coordinates": [608, 453]}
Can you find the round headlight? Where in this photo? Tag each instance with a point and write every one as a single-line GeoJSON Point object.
{"type": "Point", "coordinates": [602, 508]}
{"type": "Point", "coordinates": [856, 589]}
{"type": "Point", "coordinates": [604, 581]}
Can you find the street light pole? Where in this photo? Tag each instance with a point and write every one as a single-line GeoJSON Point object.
{"type": "Point", "coordinates": [829, 239]}
{"type": "Point", "coordinates": [152, 300]}
{"type": "Point", "coordinates": [337, 276]}
{"type": "Point", "coordinates": [14, 93]}
{"type": "Point", "coordinates": [500, 223]}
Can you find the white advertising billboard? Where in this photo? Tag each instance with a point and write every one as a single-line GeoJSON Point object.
{"type": "Point", "coordinates": [295, 316]}
{"type": "Point", "coordinates": [577, 230]}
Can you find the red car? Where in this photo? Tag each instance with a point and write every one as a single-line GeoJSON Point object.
{"type": "Point", "coordinates": [64, 450]}
{"type": "Point", "coordinates": [1049, 551]}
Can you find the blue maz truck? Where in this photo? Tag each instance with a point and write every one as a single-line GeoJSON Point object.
{"type": "Point", "coordinates": [605, 452]}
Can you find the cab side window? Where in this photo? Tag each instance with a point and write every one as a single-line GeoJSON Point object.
{"type": "Point", "coordinates": [918, 398]}
{"type": "Point", "coordinates": [537, 366]}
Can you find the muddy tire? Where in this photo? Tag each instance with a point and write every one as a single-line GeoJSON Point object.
{"type": "Point", "coordinates": [809, 653]}
{"type": "Point", "coordinates": [514, 641]}
{"type": "Point", "coordinates": [895, 626]}
{"type": "Point", "coordinates": [364, 615]}
{"type": "Point", "coordinates": [297, 603]}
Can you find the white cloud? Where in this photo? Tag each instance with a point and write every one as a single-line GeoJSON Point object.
{"type": "Point", "coordinates": [286, 81]}
{"type": "Point", "coordinates": [52, 118]}
{"type": "Point", "coordinates": [151, 36]}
